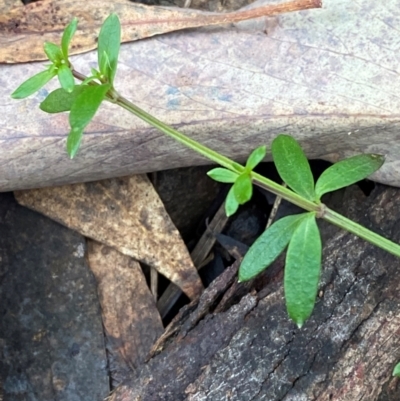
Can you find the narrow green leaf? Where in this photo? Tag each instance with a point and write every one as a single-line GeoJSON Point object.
{"type": "Point", "coordinates": [94, 72]}
{"type": "Point", "coordinates": [68, 33]}
{"type": "Point", "coordinates": [109, 43]}
{"type": "Point", "coordinates": [243, 188]}
{"type": "Point", "coordinates": [231, 204]}
{"type": "Point", "coordinates": [293, 166]}
{"type": "Point", "coordinates": [74, 141]}
{"type": "Point", "coordinates": [396, 370]}
{"type": "Point", "coordinates": [347, 172]}
{"type": "Point", "coordinates": [66, 78]}
{"type": "Point", "coordinates": [82, 111]}
{"type": "Point", "coordinates": [268, 246]}
{"type": "Point", "coordinates": [105, 68]}
{"type": "Point", "coordinates": [223, 175]}
{"type": "Point", "coordinates": [302, 270]}
{"type": "Point", "coordinates": [256, 156]}
{"type": "Point", "coordinates": [53, 52]}
{"type": "Point", "coordinates": [59, 100]}
{"type": "Point", "coordinates": [33, 84]}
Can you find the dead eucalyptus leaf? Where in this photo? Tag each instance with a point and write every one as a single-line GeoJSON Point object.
{"type": "Point", "coordinates": [7, 5]}
{"type": "Point", "coordinates": [130, 316]}
{"type": "Point", "coordinates": [126, 214]}
{"type": "Point", "coordinates": [23, 30]}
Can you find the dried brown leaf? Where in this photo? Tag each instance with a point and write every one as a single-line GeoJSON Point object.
{"type": "Point", "coordinates": [129, 312]}
{"type": "Point", "coordinates": [126, 214]}
{"type": "Point", "coordinates": [7, 5]}
{"type": "Point", "coordinates": [23, 30]}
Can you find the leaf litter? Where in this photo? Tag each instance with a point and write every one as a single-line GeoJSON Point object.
{"type": "Point", "coordinates": [24, 29]}
{"type": "Point", "coordinates": [129, 313]}
{"type": "Point", "coordinates": [123, 213]}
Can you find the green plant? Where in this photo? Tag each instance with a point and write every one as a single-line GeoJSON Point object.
{"type": "Point", "coordinates": [299, 233]}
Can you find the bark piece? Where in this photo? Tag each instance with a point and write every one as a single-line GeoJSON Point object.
{"type": "Point", "coordinates": [346, 351]}
{"type": "Point", "coordinates": [178, 375]}
{"type": "Point", "coordinates": [130, 317]}
{"type": "Point", "coordinates": [191, 314]}
{"type": "Point", "coordinates": [126, 214]}
{"type": "Point", "coordinates": [51, 336]}
{"type": "Point", "coordinates": [325, 76]}
{"type": "Point", "coordinates": [24, 29]}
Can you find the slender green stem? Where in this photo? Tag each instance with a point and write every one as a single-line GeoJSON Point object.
{"type": "Point", "coordinates": [360, 231]}
{"type": "Point", "coordinates": [178, 136]}
{"type": "Point", "coordinates": [321, 210]}
{"type": "Point", "coordinates": [217, 157]}
{"type": "Point", "coordinates": [259, 180]}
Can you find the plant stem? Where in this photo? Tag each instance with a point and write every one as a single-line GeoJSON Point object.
{"type": "Point", "coordinates": [259, 180]}
{"type": "Point", "coordinates": [362, 232]}
{"type": "Point", "coordinates": [263, 182]}
{"type": "Point", "coordinates": [217, 157]}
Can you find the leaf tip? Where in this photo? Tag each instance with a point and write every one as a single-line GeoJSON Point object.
{"type": "Point", "coordinates": [241, 279]}
{"type": "Point", "coordinates": [299, 323]}
{"type": "Point", "coordinates": [229, 213]}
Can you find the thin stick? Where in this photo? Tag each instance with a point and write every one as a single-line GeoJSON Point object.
{"type": "Point", "coordinates": [199, 253]}
{"type": "Point", "coordinates": [154, 283]}
{"type": "Point", "coordinates": [275, 208]}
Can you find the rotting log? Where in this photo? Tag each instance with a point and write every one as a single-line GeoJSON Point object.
{"type": "Point", "coordinates": [327, 76]}
{"type": "Point", "coordinates": [243, 346]}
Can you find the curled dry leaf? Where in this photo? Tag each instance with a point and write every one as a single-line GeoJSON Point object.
{"type": "Point", "coordinates": [130, 317]}
{"type": "Point", "coordinates": [24, 29]}
{"type": "Point", "coordinates": [124, 213]}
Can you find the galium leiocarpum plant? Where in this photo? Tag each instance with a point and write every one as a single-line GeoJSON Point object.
{"type": "Point", "coordinates": [298, 233]}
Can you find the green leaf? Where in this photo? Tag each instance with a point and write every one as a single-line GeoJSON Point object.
{"type": "Point", "coordinates": [68, 33]}
{"type": "Point", "coordinates": [74, 141]}
{"type": "Point", "coordinates": [243, 188]}
{"type": "Point", "coordinates": [223, 175]}
{"type": "Point", "coordinates": [82, 111]}
{"type": "Point", "coordinates": [231, 204]}
{"type": "Point", "coordinates": [66, 78]}
{"type": "Point", "coordinates": [109, 43]}
{"type": "Point", "coordinates": [59, 100]}
{"type": "Point", "coordinates": [33, 84]}
{"type": "Point", "coordinates": [396, 370]}
{"type": "Point", "coordinates": [105, 68]}
{"type": "Point", "coordinates": [256, 156]}
{"type": "Point", "coordinates": [302, 270]}
{"type": "Point", "coordinates": [293, 166]}
{"type": "Point", "coordinates": [268, 246]}
{"type": "Point", "coordinates": [347, 172]}
{"type": "Point", "coordinates": [53, 52]}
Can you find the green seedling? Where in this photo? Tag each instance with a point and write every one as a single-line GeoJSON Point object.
{"type": "Point", "coordinates": [298, 234]}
